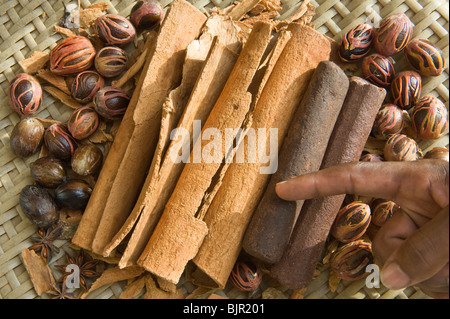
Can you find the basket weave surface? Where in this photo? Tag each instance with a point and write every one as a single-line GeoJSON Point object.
{"type": "Point", "coordinates": [27, 26]}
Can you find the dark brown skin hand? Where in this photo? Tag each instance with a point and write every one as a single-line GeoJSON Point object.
{"type": "Point", "coordinates": [414, 244]}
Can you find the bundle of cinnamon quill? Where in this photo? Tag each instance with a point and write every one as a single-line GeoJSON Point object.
{"type": "Point", "coordinates": [176, 189]}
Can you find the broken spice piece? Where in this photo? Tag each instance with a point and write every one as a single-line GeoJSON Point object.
{"type": "Point", "coordinates": [40, 273]}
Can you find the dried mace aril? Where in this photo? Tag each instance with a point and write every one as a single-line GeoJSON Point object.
{"type": "Point", "coordinates": [111, 102]}
{"type": "Point", "coordinates": [351, 222]}
{"type": "Point", "coordinates": [83, 122]}
{"type": "Point", "coordinates": [72, 55]}
{"type": "Point", "coordinates": [59, 141]}
{"type": "Point", "coordinates": [246, 276]}
{"type": "Point", "coordinates": [73, 194]}
{"type": "Point", "coordinates": [370, 157]}
{"type": "Point", "coordinates": [378, 69]}
{"type": "Point", "coordinates": [27, 136]}
{"type": "Point", "coordinates": [87, 159]}
{"type": "Point", "coordinates": [429, 118]}
{"type": "Point", "coordinates": [85, 85]}
{"type": "Point", "coordinates": [425, 57]}
{"type": "Point", "coordinates": [382, 211]}
{"type": "Point", "coordinates": [111, 61]}
{"type": "Point", "coordinates": [349, 262]}
{"type": "Point", "coordinates": [48, 171]}
{"type": "Point", "coordinates": [438, 153]}
{"type": "Point", "coordinates": [400, 147]}
{"type": "Point", "coordinates": [25, 94]}
{"type": "Point", "coordinates": [39, 206]}
{"type": "Point", "coordinates": [356, 43]}
{"type": "Point", "coordinates": [113, 29]}
{"type": "Point", "coordinates": [393, 35]}
{"type": "Point", "coordinates": [146, 14]}
{"type": "Point", "coordinates": [405, 89]}
{"type": "Point", "coordinates": [389, 120]}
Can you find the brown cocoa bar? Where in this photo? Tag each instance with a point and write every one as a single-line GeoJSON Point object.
{"type": "Point", "coordinates": [296, 267]}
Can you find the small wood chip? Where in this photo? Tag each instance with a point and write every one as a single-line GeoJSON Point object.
{"type": "Point", "coordinates": [56, 80]}
{"type": "Point", "coordinates": [63, 97]}
{"type": "Point", "coordinates": [35, 62]}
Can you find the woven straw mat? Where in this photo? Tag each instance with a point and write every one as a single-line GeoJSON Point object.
{"type": "Point", "coordinates": [27, 26]}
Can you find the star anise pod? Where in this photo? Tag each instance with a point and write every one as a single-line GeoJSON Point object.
{"type": "Point", "coordinates": [85, 268]}
{"type": "Point", "coordinates": [43, 243]}
{"type": "Point", "coordinates": [59, 292]}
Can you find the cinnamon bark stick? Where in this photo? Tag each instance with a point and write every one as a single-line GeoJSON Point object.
{"type": "Point", "coordinates": [179, 234]}
{"type": "Point", "coordinates": [297, 265]}
{"type": "Point", "coordinates": [244, 183]}
{"type": "Point", "coordinates": [268, 232]}
{"type": "Point", "coordinates": [128, 161]}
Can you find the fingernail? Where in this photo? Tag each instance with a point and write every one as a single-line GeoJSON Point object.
{"type": "Point", "coordinates": [393, 277]}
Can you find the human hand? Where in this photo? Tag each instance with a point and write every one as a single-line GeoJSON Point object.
{"type": "Point", "coordinates": [414, 244]}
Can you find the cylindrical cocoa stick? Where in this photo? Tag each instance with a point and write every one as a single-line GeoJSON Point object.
{"type": "Point", "coordinates": [302, 152]}
{"type": "Point", "coordinates": [297, 265]}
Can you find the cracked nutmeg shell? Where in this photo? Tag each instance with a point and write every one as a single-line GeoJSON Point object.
{"type": "Point", "coordinates": [389, 120]}
{"type": "Point", "coordinates": [356, 43]}
{"type": "Point", "coordinates": [400, 147]}
{"type": "Point", "coordinates": [393, 35]}
{"type": "Point", "coordinates": [146, 14]}
{"type": "Point", "coordinates": [27, 136]}
{"type": "Point", "coordinates": [406, 88]}
{"type": "Point", "coordinates": [245, 276]}
{"type": "Point", "coordinates": [25, 94]}
{"type": "Point", "coordinates": [85, 85]}
{"type": "Point", "coordinates": [39, 206]}
{"type": "Point", "coordinates": [111, 61]}
{"type": "Point", "coordinates": [349, 261]}
{"type": "Point", "coordinates": [73, 194]}
{"type": "Point", "coordinates": [429, 118]}
{"type": "Point", "coordinates": [351, 222]}
{"type": "Point", "coordinates": [83, 122]}
{"type": "Point", "coordinates": [59, 141]}
{"type": "Point", "coordinates": [72, 55]}
{"type": "Point", "coordinates": [113, 29]}
{"type": "Point", "coordinates": [111, 102]}
{"type": "Point", "coordinates": [378, 69]}
{"type": "Point", "coordinates": [48, 171]}
{"type": "Point", "coordinates": [425, 57]}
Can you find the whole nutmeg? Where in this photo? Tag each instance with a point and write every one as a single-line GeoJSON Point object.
{"type": "Point", "coordinates": [59, 142]}
{"type": "Point", "coordinates": [441, 153]}
{"type": "Point", "coordinates": [349, 262]}
{"type": "Point", "coordinates": [83, 122]}
{"type": "Point", "coordinates": [85, 85]}
{"type": "Point", "coordinates": [48, 171]}
{"type": "Point", "coordinates": [25, 94]}
{"type": "Point", "coordinates": [425, 57]}
{"type": "Point", "coordinates": [405, 89]}
{"type": "Point", "coordinates": [27, 136]}
{"type": "Point", "coordinates": [382, 211]}
{"type": "Point", "coordinates": [38, 205]}
{"type": "Point", "coordinates": [111, 61]}
{"type": "Point", "coordinates": [72, 55]}
{"type": "Point", "coordinates": [245, 276]}
{"type": "Point", "coordinates": [378, 69]}
{"type": "Point", "coordinates": [400, 147]}
{"type": "Point", "coordinates": [147, 14]}
{"type": "Point", "coordinates": [370, 157]}
{"type": "Point", "coordinates": [351, 222]}
{"type": "Point", "coordinates": [393, 35]}
{"type": "Point", "coordinates": [87, 159]}
{"type": "Point", "coordinates": [73, 194]}
{"type": "Point", "coordinates": [356, 43]}
{"type": "Point", "coordinates": [429, 118]}
{"type": "Point", "coordinates": [111, 102]}
{"type": "Point", "coordinates": [389, 120]}
{"type": "Point", "coordinates": [113, 29]}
